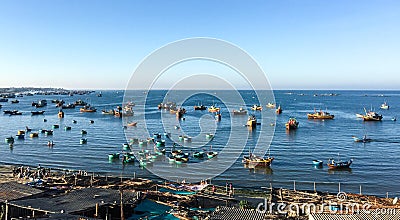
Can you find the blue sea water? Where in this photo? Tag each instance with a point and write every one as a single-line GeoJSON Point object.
{"type": "Point", "coordinates": [374, 167]}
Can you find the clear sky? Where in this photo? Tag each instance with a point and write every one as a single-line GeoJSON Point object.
{"type": "Point", "coordinates": [299, 44]}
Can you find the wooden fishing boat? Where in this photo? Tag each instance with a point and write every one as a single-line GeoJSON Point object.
{"type": "Point", "coordinates": [292, 124]}
{"type": "Point", "coordinates": [271, 105]}
{"type": "Point", "coordinates": [332, 164]}
{"type": "Point", "coordinates": [21, 132]}
{"type": "Point", "coordinates": [60, 114]}
{"type": "Point", "coordinates": [34, 135]}
{"type": "Point", "coordinates": [251, 121]}
{"type": "Point", "coordinates": [113, 156]}
{"type": "Point", "coordinates": [14, 101]}
{"type": "Point", "coordinates": [278, 110]}
{"type": "Point", "coordinates": [200, 107]}
{"type": "Point", "coordinates": [88, 108]}
{"type": "Point", "coordinates": [132, 124]}
{"type": "Point", "coordinates": [212, 154]}
{"type": "Point", "coordinates": [256, 108]}
{"type": "Point", "coordinates": [213, 109]}
{"type": "Point", "coordinates": [83, 141]}
{"type": "Point", "coordinates": [37, 112]}
{"type": "Point", "coordinates": [320, 115]}
{"type": "Point", "coordinates": [364, 139]}
{"type": "Point", "coordinates": [255, 161]}
{"type": "Point", "coordinates": [80, 103]}
{"type": "Point", "coordinates": [9, 140]}
{"type": "Point", "coordinates": [41, 104]}
{"type": "Point", "coordinates": [198, 154]}
{"type": "Point", "coordinates": [69, 106]}
{"type": "Point", "coordinates": [241, 111]}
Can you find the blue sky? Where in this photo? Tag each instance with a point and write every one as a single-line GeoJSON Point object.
{"type": "Point", "coordinates": [299, 44]}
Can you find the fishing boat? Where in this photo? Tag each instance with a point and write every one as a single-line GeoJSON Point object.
{"type": "Point", "coordinates": [332, 164]}
{"type": "Point", "coordinates": [69, 106]}
{"type": "Point", "coordinates": [317, 163]}
{"type": "Point", "coordinates": [292, 124]}
{"type": "Point", "coordinates": [217, 117]}
{"type": "Point", "coordinates": [187, 139]}
{"type": "Point", "coordinates": [364, 139]}
{"type": "Point", "coordinates": [320, 115]}
{"type": "Point", "coordinates": [48, 132]}
{"type": "Point", "coordinates": [128, 159]}
{"type": "Point", "coordinates": [113, 156]}
{"type": "Point", "coordinates": [3, 100]}
{"type": "Point", "coordinates": [270, 105]}
{"type": "Point", "coordinates": [200, 107]}
{"type": "Point", "coordinates": [83, 141]}
{"type": "Point", "coordinates": [60, 114]}
{"type": "Point", "coordinates": [385, 106]}
{"type": "Point", "coordinates": [9, 140]}
{"type": "Point", "coordinates": [80, 103]}
{"type": "Point", "coordinates": [88, 108]}
{"type": "Point", "coordinates": [41, 103]}
{"type": "Point", "coordinates": [210, 136]}
{"type": "Point", "coordinates": [67, 128]}
{"type": "Point", "coordinates": [109, 112]}
{"type": "Point", "coordinates": [211, 154]}
{"type": "Point", "coordinates": [181, 137]}
{"type": "Point", "coordinates": [213, 109]}
{"type": "Point", "coordinates": [167, 105]}
{"type": "Point", "coordinates": [56, 126]}
{"type": "Point", "coordinates": [132, 124]}
{"type": "Point", "coordinates": [37, 112]}
{"type": "Point", "coordinates": [34, 135]}
{"type": "Point", "coordinates": [278, 110]}
{"type": "Point", "coordinates": [20, 136]}
{"type": "Point", "coordinates": [241, 111]}
{"type": "Point", "coordinates": [15, 112]}
{"type": "Point", "coordinates": [14, 101]}
{"type": "Point", "coordinates": [372, 116]}
{"type": "Point", "coordinates": [251, 121]}
{"type": "Point", "coordinates": [198, 154]}
{"type": "Point", "coordinates": [256, 108]}
{"type": "Point", "coordinates": [20, 132]}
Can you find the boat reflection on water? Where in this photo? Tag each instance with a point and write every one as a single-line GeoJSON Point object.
{"type": "Point", "coordinates": [259, 170]}
{"type": "Point", "coordinates": [339, 171]}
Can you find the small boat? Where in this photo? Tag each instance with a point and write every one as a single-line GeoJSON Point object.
{"type": "Point", "coordinates": [67, 128]}
{"type": "Point", "coordinates": [385, 106]}
{"type": "Point", "coordinates": [83, 132]}
{"type": "Point", "coordinates": [210, 136]}
{"type": "Point", "coordinates": [241, 111]}
{"type": "Point", "coordinates": [14, 101]}
{"type": "Point", "coordinates": [109, 112]}
{"type": "Point", "coordinates": [200, 107]}
{"type": "Point", "coordinates": [157, 136]}
{"type": "Point", "coordinates": [74, 121]}
{"type": "Point", "coordinates": [278, 110]}
{"type": "Point", "coordinates": [394, 119]}
{"type": "Point", "coordinates": [211, 154]}
{"type": "Point", "coordinates": [40, 104]}
{"type": "Point", "coordinates": [132, 124]}
{"type": "Point", "coordinates": [292, 124]}
{"type": "Point", "coordinates": [3, 100]}
{"type": "Point", "coordinates": [160, 143]}
{"type": "Point", "coordinates": [69, 106]}
{"type": "Point", "coordinates": [60, 114]}
{"type": "Point", "coordinates": [317, 163]}
{"type": "Point", "coordinates": [255, 161]}
{"type": "Point", "coordinates": [34, 135]}
{"type": "Point", "coordinates": [91, 121]}
{"type": "Point", "coordinates": [332, 164]}
{"type": "Point", "coordinates": [37, 112]}
{"type": "Point", "coordinates": [251, 121]}
{"type": "Point", "coordinates": [42, 131]}
{"type": "Point", "coordinates": [213, 109]}
{"type": "Point", "coordinates": [83, 141]}
{"type": "Point", "coordinates": [88, 108]}
{"type": "Point", "coordinates": [187, 139]}
{"type": "Point", "coordinates": [80, 103]}
{"type": "Point", "coordinates": [9, 140]}
{"type": "Point", "coordinates": [56, 126]}
{"type": "Point", "coordinates": [270, 105]}
{"type": "Point", "coordinates": [364, 139]}
{"type": "Point", "coordinates": [218, 117]}
{"type": "Point", "coordinates": [128, 159]}
{"type": "Point", "coordinates": [176, 127]}
{"type": "Point", "coordinates": [179, 160]}
{"type": "Point", "coordinates": [20, 136]}
{"type": "Point", "coordinates": [48, 132]}
{"type": "Point", "coordinates": [21, 132]}
{"type": "Point", "coordinates": [256, 108]}
{"type": "Point", "coordinates": [27, 129]}
{"type": "Point", "coordinates": [198, 154]}
{"type": "Point", "coordinates": [114, 156]}
{"type": "Point", "coordinates": [171, 159]}
{"type": "Point", "coordinates": [320, 115]}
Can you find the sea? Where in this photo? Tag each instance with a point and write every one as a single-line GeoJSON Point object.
{"type": "Point", "coordinates": [374, 169]}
